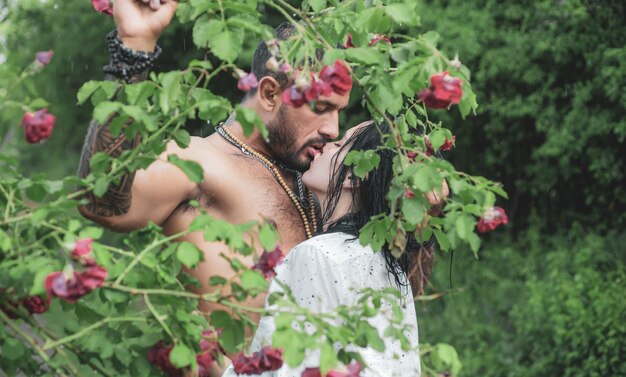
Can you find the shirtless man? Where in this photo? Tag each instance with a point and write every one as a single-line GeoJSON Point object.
{"type": "Point", "coordinates": [236, 187]}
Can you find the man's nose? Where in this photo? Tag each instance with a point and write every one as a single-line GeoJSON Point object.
{"type": "Point", "coordinates": [330, 128]}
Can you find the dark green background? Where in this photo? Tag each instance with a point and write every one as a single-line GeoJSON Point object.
{"type": "Point", "coordinates": [547, 297]}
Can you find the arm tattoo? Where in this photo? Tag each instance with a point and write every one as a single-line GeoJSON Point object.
{"type": "Point", "coordinates": [116, 201]}
{"type": "Point", "coordinates": [132, 66]}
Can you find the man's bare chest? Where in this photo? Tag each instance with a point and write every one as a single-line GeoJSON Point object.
{"type": "Point", "coordinates": [249, 191]}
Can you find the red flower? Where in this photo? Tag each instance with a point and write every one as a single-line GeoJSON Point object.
{"type": "Point", "coordinates": [159, 355]}
{"type": "Point", "coordinates": [35, 305]}
{"type": "Point", "coordinates": [267, 359]}
{"type": "Point", "coordinates": [409, 194]}
{"type": "Point", "coordinates": [444, 91]}
{"type": "Point", "coordinates": [247, 82]}
{"type": "Point", "coordinates": [38, 125]}
{"type": "Point", "coordinates": [491, 219]}
{"type": "Point", "coordinates": [102, 6]}
{"type": "Point", "coordinates": [316, 89]}
{"type": "Point", "coordinates": [446, 146]}
{"type": "Point", "coordinates": [78, 285]}
{"type": "Point", "coordinates": [348, 45]}
{"type": "Point", "coordinates": [205, 364]}
{"type": "Point", "coordinates": [268, 261]}
{"type": "Point", "coordinates": [377, 38]}
{"type": "Point", "coordinates": [311, 372]}
{"type": "Point", "coordinates": [43, 57]}
{"type": "Point", "coordinates": [338, 77]}
{"type": "Point", "coordinates": [353, 370]}
{"type": "Point", "coordinates": [293, 96]}
{"type": "Point", "coordinates": [81, 251]}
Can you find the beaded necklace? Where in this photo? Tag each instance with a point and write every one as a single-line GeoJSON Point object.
{"type": "Point", "coordinates": [271, 166]}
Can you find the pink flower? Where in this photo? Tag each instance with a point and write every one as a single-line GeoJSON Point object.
{"type": "Point", "coordinates": [353, 370]}
{"type": "Point", "coordinates": [43, 57]}
{"type": "Point", "coordinates": [338, 77]}
{"type": "Point", "coordinates": [102, 6]}
{"type": "Point", "coordinates": [447, 145]}
{"type": "Point", "coordinates": [35, 305]}
{"type": "Point", "coordinates": [491, 219]}
{"type": "Point", "coordinates": [38, 125]}
{"type": "Point", "coordinates": [409, 194]}
{"type": "Point", "coordinates": [268, 261]}
{"type": "Point", "coordinates": [377, 38]}
{"type": "Point", "coordinates": [81, 251]}
{"type": "Point", "coordinates": [444, 91]}
{"type": "Point", "coordinates": [268, 359]}
{"type": "Point", "coordinates": [205, 364]}
{"type": "Point", "coordinates": [293, 96]}
{"type": "Point", "coordinates": [316, 89]}
{"type": "Point", "coordinates": [72, 288]}
{"type": "Point", "coordinates": [247, 82]}
{"type": "Point", "coordinates": [285, 67]}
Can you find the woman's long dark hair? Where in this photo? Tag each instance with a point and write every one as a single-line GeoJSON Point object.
{"type": "Point", "coordinates": [369, 198]}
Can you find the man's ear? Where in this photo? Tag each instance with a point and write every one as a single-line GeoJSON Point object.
{"type": "Point", "coordinates": [268, 92]}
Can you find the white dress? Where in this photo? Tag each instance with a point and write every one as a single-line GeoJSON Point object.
{"type": "Point", "coordinates": [325, 272]}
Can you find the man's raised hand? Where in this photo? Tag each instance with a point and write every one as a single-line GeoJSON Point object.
{"type": "Point", "coordinates": [141, 22]}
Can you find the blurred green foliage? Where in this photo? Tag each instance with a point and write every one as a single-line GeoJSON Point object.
{"type": "Point", "coordinates": [549, 76]}
{"type": "Point", "coordinates": [539, 307]}
{"type": "Point", "coordinates": [545, 300]}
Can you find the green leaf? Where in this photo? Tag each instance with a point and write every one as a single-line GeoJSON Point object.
{"type": "Point", "coordinates": [328, 357]}
{"type": "Point", "coordinates": [252, 280]}
{"type": "Point", "coordinates": [442, 239]}
{"type": "Point", "coordinates": [268, 236]}
{"type": "Point", "coordinates": [464, 226]}
{"type": "Point", "coordinates": [413, 210]}
{"type": "Point", "coordinates": [139, 92]}
{"type": "Point", "coordinates": [5, 241]}
{"type": "Point", "coordinates": [204, 30]}
{"type": "Point", "coordinates": [437, 138]}
{"type": "Point", "coordinates": [316, 5]}
{"type": "Point", "coordinates": [188, 254]}
{"type": "Point", "coordinates": [170, 93]}
{"type": "Point", "coordinates": [13, 349]}
{"type": "Point", "coordinates": [249, 119]}
{"type": "Point", "coordinates": [182, 138]}
{"type": "Point", "coordinates": [104, 110]}
{"type": "Point", "coordinates": [101, 186]}
{"type": "Point", "coordinates": [403, 14]}
{"type": "Point", "coordinates": [226, 45]}
{"type": "Point", "coordinates": [365, 161]}
{"type": "Point", "coordinates": [181, 356]}
{"type": "Point", "coordinates": [192, 169]}
{"type": "Point", "coordinates": [86, 91]}
{"type": "Point", "coordinates": [363, 55]}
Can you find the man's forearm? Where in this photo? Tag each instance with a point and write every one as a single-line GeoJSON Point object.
{"type": "Point", "coordinates": [127, 65]}
{"type": "Point", "coordinates": [116, 200]}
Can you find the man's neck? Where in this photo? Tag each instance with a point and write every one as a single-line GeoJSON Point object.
{"type": "Point", "coordinates": [254, 141]}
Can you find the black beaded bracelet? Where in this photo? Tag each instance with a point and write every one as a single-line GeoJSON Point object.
{"type": "Point", "coordinates": [125, 62]}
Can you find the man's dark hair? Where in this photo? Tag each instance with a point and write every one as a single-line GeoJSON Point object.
{"type": "Point", "coordinates": [262, 54]}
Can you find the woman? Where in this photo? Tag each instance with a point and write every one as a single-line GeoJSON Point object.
{"type": "Point", "coordinates": [327, 270]}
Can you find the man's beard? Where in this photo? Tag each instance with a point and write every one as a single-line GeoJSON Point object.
{"type": "Point", "coordinates": [282, 136]}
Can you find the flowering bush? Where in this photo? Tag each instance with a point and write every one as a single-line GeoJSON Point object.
{"type": "Point", "coordinates": [122, 309]}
